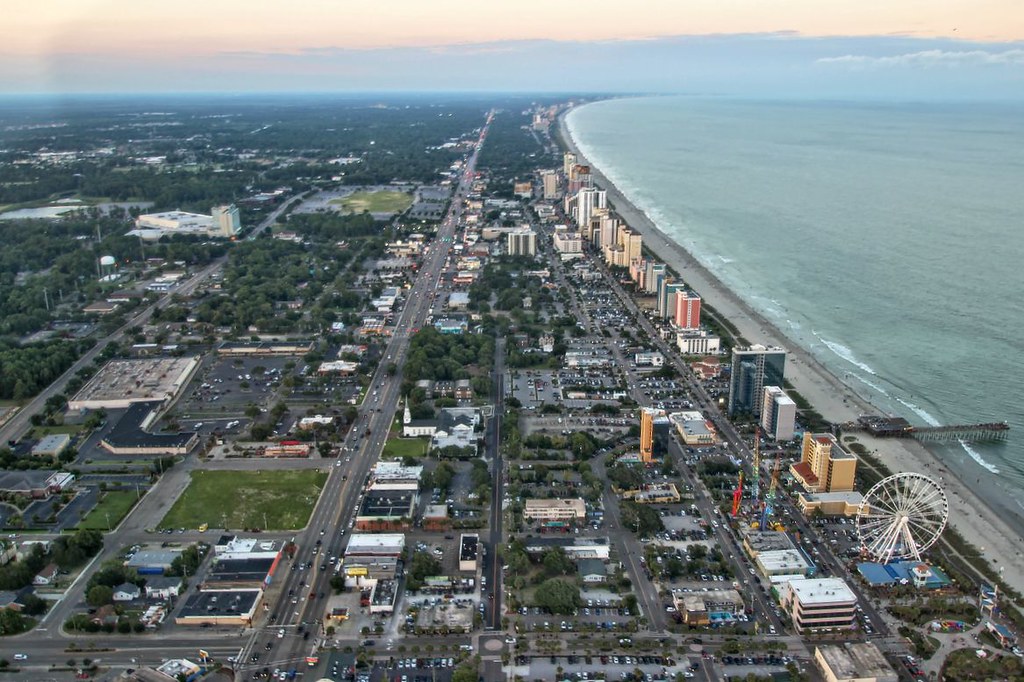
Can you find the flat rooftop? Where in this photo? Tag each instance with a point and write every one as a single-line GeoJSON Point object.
{"type": "Point", "coordinates": [375, 543]}
{"type": "Point", "coordinates": [387, 504]}
{"type": "Point", "coordinates": [129, 431]}
{"type": "Point", "coordinates": [855, 661]}
{"type": "Point", "coordinates": [219, 603]}
{"type": "Point", "coordinates": [767, 541]}
{"type": "Point", "coordinates": [240, 570]}
{"type": "Point", "coordinates": [468, 547]}
{"type": "Point", "coordinates": [813, 591]}
{"type": "Point", "coordinates": [783, 560]}
{"type": "Point", "coordinates": [123, 382]}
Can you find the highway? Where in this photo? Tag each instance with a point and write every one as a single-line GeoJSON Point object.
{"type": "Point", "coordinates": [19, 423]}
{"type": "Point", "coordinates": [302, 593]}
{"type": "Point", "coordinates": [335, 507]}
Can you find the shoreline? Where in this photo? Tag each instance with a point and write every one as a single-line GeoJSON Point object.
{"type": "Point", "coordinates": [969, 514]}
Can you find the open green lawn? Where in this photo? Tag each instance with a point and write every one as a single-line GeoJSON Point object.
{"type": "Point", "coordinates": [405, 447]}
{"type": "Point", "coordinates": [113, 507]}
{"type": "Point", "coordinates": [70, 429]}
{"type": "Point", "coordinates": [382, 201]}
{"type": "Point", "coordinates": [271, 500]}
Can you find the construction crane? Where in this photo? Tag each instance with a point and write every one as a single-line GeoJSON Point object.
{"type": "Point", "coordinates": [737, 496]}
{"type": "Point", "coordinates": [769, 499]}
{"type": "Point", "coordinates": [757, 466]}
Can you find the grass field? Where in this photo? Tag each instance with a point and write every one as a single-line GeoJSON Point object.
{"type": "Point", "coordinates": [405, 447]}
{"type": "Point", "coordinates": [271, 500]}
{"type": "Point", "coordinates": [383, 201]}
{"type": "Point", "coordinates": [70, 429]}
{"type": "Point", "coordinates": [113, 507]}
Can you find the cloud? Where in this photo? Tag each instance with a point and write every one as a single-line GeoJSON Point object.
{"type": "Point", "coordinates": [930, 59]}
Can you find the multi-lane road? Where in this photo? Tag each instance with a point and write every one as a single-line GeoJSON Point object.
{"type": "Point", "coordinates": [19, 423]}
{"type": "Point", "coordinates": [303, 591]}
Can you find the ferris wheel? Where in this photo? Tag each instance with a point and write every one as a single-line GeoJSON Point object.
{"type": "Point", "coordinates": [901, 516]}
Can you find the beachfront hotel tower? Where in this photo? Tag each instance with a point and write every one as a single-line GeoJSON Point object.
{"type": "Point", "coordinates": [686, 310]}
{"type": "Point", "coordinates": [778, 414]}
{"type": "Point", "coordinates": [754, 368]}
{"type": "Point", "coordinates": [824, 466]}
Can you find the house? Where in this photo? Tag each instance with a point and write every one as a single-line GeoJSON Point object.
{"type": "Point", "coordinates": [127, 592]}
{"type": "Point", "coordinates": [592, 571]}
{"type": "Point", "coordinates": [163, 587]}
{"type": "Point", "coordinates": [105, 615]}
{"type": "Point", "coordinates": [47, 576]}
{"type": "Point", "coordinates": [463, 390]}
{"type": "Point", "coordinates": [9, 601]}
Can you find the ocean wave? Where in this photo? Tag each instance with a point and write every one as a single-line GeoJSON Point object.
{"type": "Point", "coordinates": [793, 324]}
{"type": "Point", "coordinates": [845, 353]}
{"type": "Point", "coordinates": [870, 383]}
{"type": "Point", "coordinates": [919, 411]}
{"type": "Point", "coordinates": [977, 457]}
{"type": "Point", "coordinates": [725, 260]}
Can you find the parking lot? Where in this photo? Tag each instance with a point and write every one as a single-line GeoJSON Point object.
{"type": "Point", "coordinates": [224, 387]}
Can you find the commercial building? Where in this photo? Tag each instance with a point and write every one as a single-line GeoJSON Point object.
{"type": "Point", "coordinates": [153, 562]}
{"type": "Point", "coordinates": [698, 342]}
{"type": "Point", "coordinates": [830, 504]}
{"type": "Point", "coordinates": [130, 435]}
{"type": "Point", "coordinates": [783, 565]}
{"type": "Point", "coordinates": [778, 414]}
{"type": "Point", "coordinates": [628, 247]}
{"type": "Point", "coordinates": [575, 547]}
{"type": "Point", "coordinates": [51, 446]}
{"type": "Point", "coordinates": [652, 420]}
{"type": "Point", "coordinates": [265, 348]}
{"type": "Point", "coordinates": [697, 608]}
{"type": "Point", "coordinates": [754, 368]}
{"type": "Point", "coordinates": [757, 541]}
{"type": "Point", "coordinates": [592, 571]}
{"type": "Point", "coordinates": [694, 428]}
{"type": "Point", "coordinates": [522, 242]}
{"type": "Point", "coordinates": [853, 662]}
{"type": "Point", "coordinates": [121, 383]}
{"type": "Point", "coordinates": [549, 179]}
{"type": "Point", "coordinates": [568, 244]}
{"type": "Point", "coordinates": [220, 607]}
{"type": "Point", "coordinates": [224, 223]}
{"type": "Point", "coordinates": [574, 509]}
{"type": "Point", "coordinates": [820, 604]}
{"type": "Point", "coordinates": [824, 466]}
{"type": "Point", "coordinates": [469, 551]}
{"type": "Point", "coordinates": [373, 555]}
{"type": "Point", "coordinates": [665, 296]}
{"type": "Point", "coordinates": [586, 201]}
{"type": "Point", "coordinates": [654, 493]}
{"type": "Point", "coordinates": [686, 312]}
{"type": "Point", "coordinates": [386, 510]}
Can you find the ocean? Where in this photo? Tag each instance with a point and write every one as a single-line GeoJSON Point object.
{"type": "Point", "coordinates": [886, 239]}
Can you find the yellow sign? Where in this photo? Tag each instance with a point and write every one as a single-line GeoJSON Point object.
{"type": "Point", "coordinates": [356, 570]}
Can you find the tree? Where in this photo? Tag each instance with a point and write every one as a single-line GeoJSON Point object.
{"type": "Point", "coordinates": [556, 562]}
{"type": "Point", "coordinates": [99, 595]}
{"type": "Point", "coordinates": [465, 673]}
{"type": "Point", "coordinates": [558, 595]}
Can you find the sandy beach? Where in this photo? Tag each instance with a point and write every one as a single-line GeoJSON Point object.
{"type": "Point", "coordinates": [969, 514]}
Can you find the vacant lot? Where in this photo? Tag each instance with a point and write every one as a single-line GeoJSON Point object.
{"type": "Point", "coordinates": [405, 447]}
{"type": "Point", "coordinates": [271, 500]}
{"type": "Point", "coordinates": [382, 201]}
{"type": "Point", "coordinates": [111, 509]}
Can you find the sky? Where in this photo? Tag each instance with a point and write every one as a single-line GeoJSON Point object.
{"type": "Point", "coordinates": [946, 48]}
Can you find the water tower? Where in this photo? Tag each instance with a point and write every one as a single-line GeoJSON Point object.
{"type": "Point", "coordinates": [108, 264]}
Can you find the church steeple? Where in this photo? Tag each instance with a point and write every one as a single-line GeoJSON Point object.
{"type": "Point", "coordinates": [407, 415]}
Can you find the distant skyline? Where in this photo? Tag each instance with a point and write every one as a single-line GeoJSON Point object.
{"type": "Point", "coordinates": [792, 47]}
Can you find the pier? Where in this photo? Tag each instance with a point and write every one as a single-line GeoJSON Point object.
{"type": "Point", "coordinates": [897, 427]}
